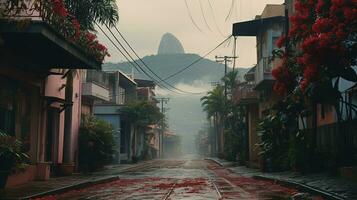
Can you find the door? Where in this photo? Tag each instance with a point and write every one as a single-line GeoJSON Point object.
{"type": "Point", "coordinates": [51, 143]}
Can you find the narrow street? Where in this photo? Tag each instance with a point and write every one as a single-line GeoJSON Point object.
{"type": "Point", "coordinates": [188, 178]}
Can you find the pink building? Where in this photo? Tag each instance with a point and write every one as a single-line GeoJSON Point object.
{"type": "Point", "coordinates": [40, 95]}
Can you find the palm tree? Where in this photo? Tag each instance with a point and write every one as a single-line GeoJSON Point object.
{"type": "Point", "coordinates": [89, 12]}
{"type": "Point", "coordinates": [214, 105]}
{"type": "Point", "coordinates": [230, 79]}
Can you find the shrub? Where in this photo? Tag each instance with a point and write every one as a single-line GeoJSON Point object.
{"type": "Point", "coordinates": [96, 144]}
{"type": "Point", "coordinates": [11, 156]}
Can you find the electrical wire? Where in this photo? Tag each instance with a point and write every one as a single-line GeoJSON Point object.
{"type": "Point", "coordinates": [214, 19]}
{"type": "Point", "coordinates": [191, 17]}
{"type": "Point", "coordinates": [132, 63]}
{"type": "Point", "coordinates": [197, 60]}
{"type": "Point", "coordinates": [142, 61]}
{"type": "Point", "coordinates": [234, 52]}
{"type": "Point", "coordinates": [230, 10]}
{"type": "Point", "coordinates": [204, 16]}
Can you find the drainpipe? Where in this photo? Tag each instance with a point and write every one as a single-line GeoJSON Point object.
{"type": "Point", "coordinates": [67, 147]}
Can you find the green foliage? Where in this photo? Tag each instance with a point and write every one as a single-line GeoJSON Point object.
{"type": "Point", "coordinates": [143, 113]}
{"type": "Point", "coordinates": [96, 144]}
{"type": "Point", "coordinates": [214, 102]}
{"type": "Point", "coordinates": [11, 156]}
{"type": "Point", "coordinates": [88, 12]}
{"type": "Point", "coordinates": [233, 145]}
{"type": "Point", "coordinates": [274, 142]}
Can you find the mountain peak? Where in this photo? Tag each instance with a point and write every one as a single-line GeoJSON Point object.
{"type": "Point", "coordinates": [169, 44]}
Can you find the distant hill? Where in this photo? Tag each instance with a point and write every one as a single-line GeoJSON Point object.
{"type": "Point", "coordinates": [169, 44]}
{"type": "Point", "coordinates": [165, 65]}
{"type": "Point", "coordinates": [185, 116]}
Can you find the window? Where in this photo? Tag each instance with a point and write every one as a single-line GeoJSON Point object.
{"type": "Point", "coordinates": [7, 108]}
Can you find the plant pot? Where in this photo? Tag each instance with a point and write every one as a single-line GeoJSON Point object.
{"type": "Point", "coordinates": [3, 178]}
{"type": "Point", "coordinates": [65, 169]}
{"type": "Point", "coordinates": [43, 171]}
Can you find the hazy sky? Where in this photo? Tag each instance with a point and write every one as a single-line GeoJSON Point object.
{"type": "Point", "coordinates": [143, 22]}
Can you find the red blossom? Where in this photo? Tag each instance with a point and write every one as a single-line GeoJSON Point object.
{"type": "Point", "coordinates": [90, 37]}
{"type": "Point", "coordinates": [101, 47]}
{"type": "Point", "coordinates": [303, 85]}
{"type": "Point", "coordinates": [280, 88]}
{"type": "Point", "coordinates": [59, 8]}
{"type": "Point", "coordinates": [281, 41]}
{"type": "Point", "coordinates": [322, 25]}
{"type": "Point", "coordinates": [77, 28]}
{"type": "Point", "coordinates": [320, 5]}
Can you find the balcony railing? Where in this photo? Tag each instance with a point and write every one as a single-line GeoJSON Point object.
{"type": "Point", "coordinates": [26, 9]}
{"type": "Point", "coordinates": [263, 70]}
{"type": "Point", "coordinates": [245, 94]}
{"type": "Point", "coordinates": [99, 77]}
{"type": "Point", "coordinates": [55, 14]}
{"type": "Point", "coordinates": [96, 85]}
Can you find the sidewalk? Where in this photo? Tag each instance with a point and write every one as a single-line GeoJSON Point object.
{"type": "Point", "coordinates": [331, 187]}
{"type": "Point", "coordinates": [61, 184]}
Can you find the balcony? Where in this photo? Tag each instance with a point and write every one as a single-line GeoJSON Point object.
{"type": "Point", "coordinates": [35, 38]}
{"type": "Point", "coordinates": [263, 76]}
{"type": "Point", "coordinates": [95, 85]}
{"type": "Point", "coordinates": [245, 94]}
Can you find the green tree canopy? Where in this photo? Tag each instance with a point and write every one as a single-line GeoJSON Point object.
{"type": "Point", "coordinates": [88, 12]}
{"type": "Point", "coordinates": [214, 102]}
{"type": "Point", "coordinates": [143, 113]}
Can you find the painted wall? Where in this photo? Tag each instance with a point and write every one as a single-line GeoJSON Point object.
{"type": "Point", "coordinates": [53, 88]}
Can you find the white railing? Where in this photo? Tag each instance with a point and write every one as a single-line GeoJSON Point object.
{"type": "Point", "coordinates": [263, 69]}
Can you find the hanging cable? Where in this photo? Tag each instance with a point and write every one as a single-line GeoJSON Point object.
{"type": "Point", "coordinates": [230, 10]}
{"type": "Point", "coordinates": [147, 67]}
{"type": "Point", "coordinates": [191, 17]}
{"type": "Point", "coordinates": [234, 52]}
{"type": "Point", "coordinates": [204, 16]}
{"type": "Point", "coordinates": [214, 19]}
{"type": "Point", "coordinates": [132, 63]}
{"type": "Point", "coordinates": [198, 60]}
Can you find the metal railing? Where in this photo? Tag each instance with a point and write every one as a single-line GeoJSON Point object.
{"type": "Point", "coordinates": [98, 77]}
{"type": "Point", "coordinates": [245, 92]}
{"type": "Point", "coordinates": [22, 9]}
{"type": "Point", "coordinates": [263, 69]}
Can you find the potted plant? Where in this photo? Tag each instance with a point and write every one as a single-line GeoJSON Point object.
{"type": "Point", "coordinates": [11, 157]}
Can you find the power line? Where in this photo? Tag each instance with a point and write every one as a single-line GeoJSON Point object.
{"type": "Point", "coordinates": [230, 10]}
{"type": "Point", "coordinates": [203, 15]}
{"type": "Point", "coordinates": [130, 62]}
{"type": "Point", "coordinates": [142, 61]}
{"type": "Point", "coordinates": [191, 17]}
{"type": "Point", "coordinates": [196, 61]}
{"type": "Point", "coordinates": [214, 19]}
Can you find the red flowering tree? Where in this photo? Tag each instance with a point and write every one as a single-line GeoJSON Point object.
{"type": "Point", "coordinates": [63, 16]}
{"type": "Point", "coordinates": [323, 36]}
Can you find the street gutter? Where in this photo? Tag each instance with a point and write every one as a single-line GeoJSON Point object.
{"type": "Point", "coordinates": [86, 183]}
{"type": "Point", "coordinates": [300, 186]}
{"type": "Point", "coordinates": [303, 187]}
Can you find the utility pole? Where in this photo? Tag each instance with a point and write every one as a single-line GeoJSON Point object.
{"type": "Point", "coordinates": [225, 60]}
{"type": "Point", "coordinates": [161, 135]}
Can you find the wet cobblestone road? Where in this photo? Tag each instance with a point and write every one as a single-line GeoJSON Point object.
{"type": "Point", "coordinates": [182, 179]}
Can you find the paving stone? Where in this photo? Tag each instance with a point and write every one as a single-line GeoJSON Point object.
{"type": "Point", "coordinates": [322, 181]}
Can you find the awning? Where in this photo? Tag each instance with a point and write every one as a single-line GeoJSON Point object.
{"type": "Point", "coordinates": [251, 28]}
{"type": "Point", "coordinates": [37, 45]}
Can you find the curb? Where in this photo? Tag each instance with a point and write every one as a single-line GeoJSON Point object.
{"type": "Point", "coordinates": [302, 187]}
{"type": "Point", "coordinates": [80, 185]}
{"type": "Point", "coordinates": [71, 187]}
{"type": "Point", "coordinates": [214, 160]}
